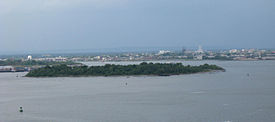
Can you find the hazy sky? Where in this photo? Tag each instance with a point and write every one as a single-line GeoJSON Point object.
{"type": "Point", "coordinates": [33, 25]}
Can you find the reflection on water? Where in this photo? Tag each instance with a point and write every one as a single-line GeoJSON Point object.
{"type": "Point", "coordinates": [217, 97]}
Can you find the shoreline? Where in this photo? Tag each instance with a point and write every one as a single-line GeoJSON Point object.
{"type": "Point", "coordinates": [127, 76]}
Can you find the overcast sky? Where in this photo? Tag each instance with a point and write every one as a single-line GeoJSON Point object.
{"type": "Point", "coordinates": [35, 25]}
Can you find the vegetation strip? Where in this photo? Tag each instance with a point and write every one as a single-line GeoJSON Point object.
{"type": "Point", "coordinates": [161, 69]}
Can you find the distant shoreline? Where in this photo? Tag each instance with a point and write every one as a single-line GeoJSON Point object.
{"type": "Point", "coordinates": [126, 76]}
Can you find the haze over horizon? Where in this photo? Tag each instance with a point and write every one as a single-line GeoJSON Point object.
{"type": "Point", "coordinates": [37, 25]}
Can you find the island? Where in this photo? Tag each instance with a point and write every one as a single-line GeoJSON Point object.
{"type": "Point", "coordinates": [158, 69]}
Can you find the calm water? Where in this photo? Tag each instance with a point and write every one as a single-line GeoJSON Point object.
{"type": "Point", "coordinates": [230, 96]}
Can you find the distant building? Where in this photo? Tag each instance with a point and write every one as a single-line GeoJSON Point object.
{"type": "Point", "coordinates": [98, 57]}
{"type": "Point", "coordinates": [251, 50]}
{"type": "Point", "coordinates": [161, 52]}
{"type": "Point", "coordinates": [198, 57]}
{"type": "Point", "coordinates": [183, 50]}
{"type": "Point", "coordinates": [29, 57]}
{"type": "Point", "coordinates": [6, 68]}
{"type": "Point", "coordinates": [200, 50]}
{"type": "Point", "coordinates": [61, 59]}
{"type": "Point", "coordinates": [233, 51]}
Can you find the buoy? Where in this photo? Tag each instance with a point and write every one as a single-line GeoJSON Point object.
{"type": "Point", "coordinates": [21, 109]}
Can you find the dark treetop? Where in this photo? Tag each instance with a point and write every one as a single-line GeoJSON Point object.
{"type": "Point", "coordinates": [162, 69]}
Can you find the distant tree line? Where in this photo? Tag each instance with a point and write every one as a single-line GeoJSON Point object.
{"type": "Point", "coordinates": [218, 58]}
{"type": "Point", "coordinates": [162, 69]}
{"type": "Point", "coordinates": [10, 62]}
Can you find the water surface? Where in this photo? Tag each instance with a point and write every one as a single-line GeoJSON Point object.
{"type": "Point", "coordinates": [244, 93]}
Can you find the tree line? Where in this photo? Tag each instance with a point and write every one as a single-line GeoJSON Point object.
{"type": "Point", "coordinates": [162, 69]}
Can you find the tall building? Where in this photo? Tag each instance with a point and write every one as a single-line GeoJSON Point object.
{"type": "Point", "coordinates": [183, 50]}
{"type": "Point", "coordinates": [200, 50]}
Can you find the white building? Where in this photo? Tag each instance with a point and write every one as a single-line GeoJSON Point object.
{"type": "Point", "coordinates": [233, 51]}
{"type": "Point", "coordinates": [97, 57]}
{"type": "Point", "coordinates": [29, 57]}
{"type": "Point", "coordinates": [161, 52]}
{"type": "Point", "coordinates": [200, 50]}
{"type": "Point", "coordinates": [199, 57]}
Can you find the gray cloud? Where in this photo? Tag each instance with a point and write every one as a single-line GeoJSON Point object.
{"type": "Point", "coordinates": [82, 24]}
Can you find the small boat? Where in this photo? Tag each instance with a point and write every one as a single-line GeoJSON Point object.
{"type": "Point", "coordinates": [21, 109]}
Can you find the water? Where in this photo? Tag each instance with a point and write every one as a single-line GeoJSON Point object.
{"type": "Point", "coordinates": [230, 96]}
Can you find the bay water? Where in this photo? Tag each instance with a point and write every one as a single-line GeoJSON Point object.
{"type": "Point", "coordinates": [244, 93]}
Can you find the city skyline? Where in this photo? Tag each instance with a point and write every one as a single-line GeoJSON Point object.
{"type": "Point", "coordinates": [122, 50]}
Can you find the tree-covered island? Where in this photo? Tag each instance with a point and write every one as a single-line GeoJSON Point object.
{"type": "Point", "coordinates": [161, 69]}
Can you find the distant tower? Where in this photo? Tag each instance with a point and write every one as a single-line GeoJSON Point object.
{"type": "Point", "coordinates": [200, 49]}
{"type": "Point", "coordinates": [183, 50]}
{"type": "Point", "coordinates": [29, 57]}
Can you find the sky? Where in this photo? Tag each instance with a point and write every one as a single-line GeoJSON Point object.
{"type": "Point", "coordinates": [41, 25]}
